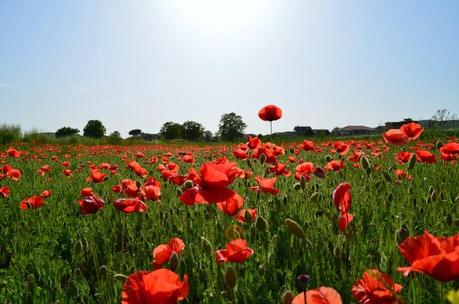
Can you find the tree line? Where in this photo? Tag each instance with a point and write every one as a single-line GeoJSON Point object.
{"type": "Point", "coordinates": [231, 127]}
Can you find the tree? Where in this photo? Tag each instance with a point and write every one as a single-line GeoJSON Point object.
{"type": "Point", "coordinates": [66, 131]}
{"type": "Point", "coordinates": [208, 135]}
{"type": "Point", "coordinates": [444, 115]}
{"type": "Point", "coordinates": [231, 126]}
{"type": "Point", "coordinates": [95, 129]}
{"type": "Point", "coordinates": [114, 138]}
{"type": "Point", "coordinates": [192, 130]}
{"type": "Point", "coordinates": [135, 132]}
{"type": "Point", "coordinates": [171, 130]}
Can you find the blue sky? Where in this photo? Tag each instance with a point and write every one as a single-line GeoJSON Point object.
{"type": "Point", "coordinates": [140, 63]}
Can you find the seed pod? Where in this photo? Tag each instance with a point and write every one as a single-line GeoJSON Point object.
{"type": "Point", "coordinates": [296, 186]}
{"type": "Point", "coordinates": [78, 248]}
{"type": "Point", "coordinates": [188, 184]}
{"type": "Point", "coordinates": [402, 234]}
{"type": "Point", "coordinates": [261, 224]}
{"type": "Point", "coordinates": [206, 245]}
{"type": "Point", "coordinates": [287, 297]}
{"type": "Point", "coordinates": [412, 162]}
{"type": "Point", "coordinates": [294, 228]}
{"type": "Point", "coordinates": [439, 144]}
{"type": "Point", "coordinates": [386, 176]}
{"type": "Point", "coordinates": [174, 261]}
{"type": "Point", "coordinates": [230, 277]}
{"type": "Point", "coordinates": [262, 158]}
{"type": "Point", "coordinates": [120, 277]}
{"type": "Point", "coordinates": [315, 197]}
{"type": "Point", "coordinates": [103, 270]}
{"type": "Point", "coordinates": [364, 163]}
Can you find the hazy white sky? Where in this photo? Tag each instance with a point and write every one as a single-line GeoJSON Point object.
{"type": "Point", "coordinates": [140, 63]}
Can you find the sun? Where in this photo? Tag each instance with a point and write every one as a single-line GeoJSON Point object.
{"type": "Point", "coordinates": [222, 16]}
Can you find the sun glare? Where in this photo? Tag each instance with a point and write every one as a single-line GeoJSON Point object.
{"type": "Point", "coordinates": [222, 16]}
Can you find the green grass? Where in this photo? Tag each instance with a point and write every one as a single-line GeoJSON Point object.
{"type": "Point", "coordinates": [54, 254]}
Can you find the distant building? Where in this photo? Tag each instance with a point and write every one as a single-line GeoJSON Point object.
{"type": "Point", "coordinates": [397, 124]}
{"type": "Point", "coordinates": [445, 124]}
{"type": "Point", "coordinates": [149, 137]}
{"type": "Point", "coordinates": [303, 130]}
{"type": "Point", "coordinates": [320, 132]}
{"type": "Point", "coordinates": [354, 130]}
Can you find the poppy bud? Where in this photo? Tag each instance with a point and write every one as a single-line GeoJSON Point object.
{"type": "Point", "coordinates": [296, 186]}
{"type": "Point", "coordinates": [448, 219]}
{"type": "Point", "coordinates": [402, 234]}
{"type": "Point", "coordinates": [249, 163]}
{"type": "Point", "coordinates": [188, 184]}
{"type": "Point", "coordinates": [103, 270]}
{"type": "Point", "coordinates": [78, 273]}
{"type": "Point", "coordinates": [78, 247]}
{"type": "Point", "coordinates": [412, 161]}
{"type": "Point", "coordinates": [368, 171]}
{"type": "Point", "coordinates": [285, 199]}
{"type": "Point", "coordinates": [294, 228]}
{"type": "Point", "coordinates": [262, 158]}
{"type": "Point", "coordinates": [303, 281]}
{"type": "Point", "coordinates": [386, 176]}
{"type": "Point", "coordinates": [320, 172]}
{"type": "Point", "coordinates": [205, 243]}
{"type": "Point", "coordinates": [456, 200]}
{"type": "Point", "coordinates": [390, 197]}
{"type": "Point", "coordinates": [230, 277]}
{"type": "Point", "coordinates": [434, 196]}
{"type": "Point", "coordinates": [2, 284]}
{"type": "Point", "coordinates": [291, 150]}
{"type": "Point", "coordinates": [247, 217]}
{"type": "Point", "coordinates": [174, 261]}
{"type": "Point", "coordinates": [303, 182]}
{"type": "Point", "coordinates": [287, 297]}
{"type": "Point", "coordinates": [179, 191]}
{"type": "Point", "coordinates": [261, 224]}
{"type": "Point", "coordinates": [439, 144]}
{"type": "Point", "coordinates": [120, 277]}
{"type": "Point", "coordinates": [328, 158]}
{"type": "Point", "coordinates": [315, 197]}
{"type": "Point", "coordinates": [364, 163]}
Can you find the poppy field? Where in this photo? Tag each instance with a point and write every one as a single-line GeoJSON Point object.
{"type": "Point", "coordinates": [318, 221]}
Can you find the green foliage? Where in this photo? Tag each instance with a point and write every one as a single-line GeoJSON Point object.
{"type": "Point", "coordinates": [171, 130]}
{"type": "Point", "coordinates": [135, 132]}
{"type": "Point", "coordinates": [192, 130]}
{"type": "Point", "coordinates": [9, 133]}
{"type": "Point", "coordinates": [94, 129]}
{"type": "Point", "coordinates": [231, 127]}
{"type": "Point", "coordinates": [66, 131]}
{"type": "Point", "coordinates": [114, 138]}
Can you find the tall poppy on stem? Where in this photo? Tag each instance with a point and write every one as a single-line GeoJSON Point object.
{"type": "Point", "coordinates": [270, 113]}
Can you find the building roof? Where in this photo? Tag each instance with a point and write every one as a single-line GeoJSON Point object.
{"type": "Point", "coordinates": [357, 128]}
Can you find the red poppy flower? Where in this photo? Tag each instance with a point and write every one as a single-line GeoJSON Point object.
{"type": "Point", "coordinates": [13, 152]}
{"type": "Point", "coordinates": [212, 184]}
{"type": "Point", "coordinates": [45, 194]}
{"type": "Point", "coordinates": [240, 153]}
{"type": "Point", "coordinates": [245, 215]}
{"type": "Point", "coordinates": [344, 219]}
{"type": "Point", "coordinates": [321, 295]}
{"type": "Point", "coordinates": [270, 113]}
{"type": "Point", "coordinates": [376, 287]}
{"type": "Point", "coordinates": [412, 130]}
{"type": "Point", "coordinates": [341, 147]}
{"type": "Point", "coordinates": [279, 169]}
{"type": "Point", "coordinates": [395, 136]}
{"type": "Point", "coordinates": [130, 205]}
{"type": "Point", "coordinates": [67, 172]}
{"type": "Point", "coordinates": [342, 196]}
{"type": "Point", "coordinates": [403, 174]}
{"type": "Point", "coordinates": [4, 191]}
{"type": "Point", "coordinates": [162, 253]}
{"type": "Point", "coordinates": [90, 204]}
{"type": "Point", "coordinates": [307, 145]}
{"type": "Point", "coordinates": [33, 202]}
{"type": "Point", "coordinates": [232, 205]}
{"type": "Point", "coordinates": [129, 188]}
{"type": "Point", "coordinates": [151, 190]}
{"type": "Point", "coordinates": [403, 157]}
{"type": "Point", "coordinates": [138, 169]}
{"type": "Point", "coordinates": [304, 170]}
{"type": "Point", "coordinates": [335, 165]}
{"type": "Point", "coordinates": [158, 286]}
{"type": "Point", "coordinates": [437, 257]}
{"type": "Point", "coordinates": [236, 251]}
{"type": "Point", "coordinates": [254, 142]}
{"type": "Point", "coordinates": [14, 174]}
{"type": "Point", "coordinates": [424, 156]}
{"type": "Point", "coordinates": [265, 185]}
{"type": "Point", "coordinates": [450, 151]}
{"type": "Point", "coordinates": [86, 191]}
{"type": "Point", "coordinates": [96, 176]}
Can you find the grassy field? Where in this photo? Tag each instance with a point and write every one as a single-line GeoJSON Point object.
{"type": "Point", "coordinates": [55, 254]}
